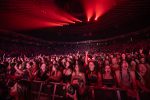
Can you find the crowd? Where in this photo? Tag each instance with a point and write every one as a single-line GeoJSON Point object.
{"type": "Point", "coordinates": [129, 72]}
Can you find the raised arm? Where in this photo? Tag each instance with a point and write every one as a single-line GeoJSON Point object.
{"type": "Point", "coordinates": [86, 57]}
{"type": "Point", "coordinates": [18, 70]}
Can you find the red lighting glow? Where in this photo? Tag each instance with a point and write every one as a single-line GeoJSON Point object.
{"type": "Point", "coordinates": [96, 18]}
{"type": "Point", "coordinates": [96, 8]}
{"type": "Point", "coordinates": [28, 14]}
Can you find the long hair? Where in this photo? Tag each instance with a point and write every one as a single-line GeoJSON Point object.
{"type": "Point", "coordinates": [146, 76]}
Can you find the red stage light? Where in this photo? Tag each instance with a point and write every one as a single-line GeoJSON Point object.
{"type": "Point", "coordinates": [96, 18]}
{"type": "Point", "coordinates": [97, 7]}
{"type": "Point", "coordinates": [30, 15]}
{"type": "Point", "coordinates": [88, 19]}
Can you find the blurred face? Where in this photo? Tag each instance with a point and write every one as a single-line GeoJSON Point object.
{"type": "Point", "coordinates": [123, 56]}
{"type": "Point", "coordinates": [20, 66]}
{"type": "Point", "coordinates": [114, 61]}
{"type": "Point", "coordinates": [28, 66]}
{"type": "Point", "coordinates": [107, 69]}
{"type": "Point", "coordinates": [76, 68]}
{"type": "Point", "coordinates": [63, 61]}
{"type": "Point", "coordinates": [53, 68]}
{"type": "Point", "coordinates": [141, 51]}
{"type": "Point", "coordinates": [142, 69]}
{"type": "Point", "coordinates": [106, 62]}
{"type": "Point", "coordinates": [34, 64]}
{"type": "Point", "coordinates": [43, 67]}
{"type": "Point", "coordinates": [142, 60]}
{"type": "Point", "coordinates": [91, 66]}
{"type": "Point", "coordinates": [124, 65]}
{"type": "Point", "coordinates": [54, 62]}
{"type": "Point", "coordinates": [133, 63]}
{"type": "Point", "coordinates": [67, 64]}
{"type": "Point", "coordinates": [111, 56]}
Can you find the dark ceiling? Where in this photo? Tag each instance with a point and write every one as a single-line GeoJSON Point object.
{"type": "Point", "coordinates": [126, 16]}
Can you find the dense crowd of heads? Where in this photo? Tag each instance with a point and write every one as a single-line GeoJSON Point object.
{"type": "Point", "coordinates": [128, 71]}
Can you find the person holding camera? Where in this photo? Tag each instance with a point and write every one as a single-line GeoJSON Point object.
{"type": "Point", "coordinates": [76, 89]}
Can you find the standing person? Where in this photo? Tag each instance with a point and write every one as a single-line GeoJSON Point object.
{"type": "Point", "coordinates": [78, 79]}
{"type": "Point", "coordinates": [55, 74]}
{"type": "Point", "coordinates": [21, 90]}
{"type": "Point", "coordinates": [108, 78]}
{"type": "Point", "coordinates": [67, 72]}
{"type": "Point", "coordinates": [115, 66]}
{"type": "Point", "coordinates": [35, 70]}
{"type": "Point", "coordinates": [93, 77]}
{"type": "Point", "coordinates": [143, 82]}
{"type": "Point", "coordinates": [27, 73]}
{"type": "Point", "coordinates": [42, 75]}
{"type": "Point", "coordinates": [127, 80]}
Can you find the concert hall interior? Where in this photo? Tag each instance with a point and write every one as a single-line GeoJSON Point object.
{"type": "Point", "coordinates": [74, 49]}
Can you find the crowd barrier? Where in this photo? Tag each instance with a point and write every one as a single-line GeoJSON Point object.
{"type": "Point", "coordinates": [56, 91]}
{"type": "Point", "coordinates": [50, 90]}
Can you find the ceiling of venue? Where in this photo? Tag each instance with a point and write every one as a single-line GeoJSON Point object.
{"type": "Point", "coordinates": [74, 20]}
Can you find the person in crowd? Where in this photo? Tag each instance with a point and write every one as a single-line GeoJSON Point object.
{"type": "Point", "coordinates": [93, 77]}
{"type": "Point", "coordinates": [114, 64]}
{"type": "Point", "coordinates": [128, 71]}
{"type": "Point", "coordinates": [127, 80]}
{"type": "Point", "coordinates": [78, 79]}
{"type": "Point", "coordinates": [133, 65]}
{"type": "Point", "coordinates": [21, 90]}
{"type": "Point", "coordinates": [35, 70]}
{"type": "Point", "coordinates": [28, 71]}
{"type": "Point", "coordinates": [108, 77]}
{"type": "Point", "coordinates": [42, 75]}
{"type": "Point", "coordinates": [67, 72]}
{"type": "Point", "coordinates": [55, 75]}
{"type": "Point", "coordinates": [143, 81]}
{"type": "Point", "coordinates": [123, 56]}
{"type": "Point", "coordinates": [19, 70]}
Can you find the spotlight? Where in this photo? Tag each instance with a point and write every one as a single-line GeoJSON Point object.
{"type": "Point", "coordinates": [88, 19]}
{"type": "Point", "coordinates": [96, 18]}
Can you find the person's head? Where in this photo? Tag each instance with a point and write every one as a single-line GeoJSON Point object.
{"type": "Point", "coordinates": [125, 64]}
{"type": "Point", "coordinates": [142, 69]}
{"type": "Point", "coordinates": [21, 90]}
{"type": "Point", "coordinates": [55, 67]}
{"type": "Point", "coordinates": [107, 69]}
{"type": "Point", "coordinates": [77, 67]}
{"type": "Point", "coordinates": [123, 56]}
{"type": "Point", "coordinates": [43, 67]}
{"type": "Point", "coordinates": [67, 64]}
{"type": "Point", "coordinates": [114, 60]}
{"type": "Point", "coordinates": [106, 62]}
{"type": "Point", "coordinates": [91, 66]}
{"type": "Point", "coordinates": [133, 65]}
{"type": "Point", "coordinates": [28, 65]}
{"type": "Point", "coordinates": [142, 60]}
{"type": "Point", "coordinates": [140, 51]}
{"type": "Point", "coordinates": [35, 64]}
{"type": "Point", "coordinates": [19, 65]}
